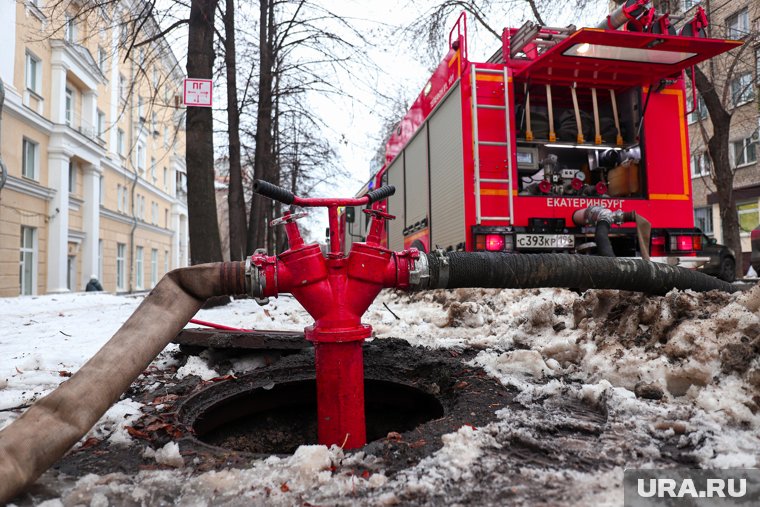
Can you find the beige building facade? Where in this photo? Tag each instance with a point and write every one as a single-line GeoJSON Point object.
{"type": "Point", "coordinates": [93, 143]}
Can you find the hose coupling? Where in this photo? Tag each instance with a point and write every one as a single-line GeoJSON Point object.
{"type": "Point", "coordinates": [442, 261]}
{"type": "Point", "coordinates": [595, 214]}
{"type": "Point", "coordinates": [255, 276]}
{"type": "Point", "coordinates": [419, 276]}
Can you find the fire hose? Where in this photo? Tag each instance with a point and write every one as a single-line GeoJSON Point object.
{"type": "Point", "coordinates": [336, 289]}
{"type": "Point", "coordinates": [52, 425]}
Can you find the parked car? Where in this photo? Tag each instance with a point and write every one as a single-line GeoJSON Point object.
{"type": "Point", "coordinates": [722, 263]}
{"type": "Point", "coordinates": [755, 257]}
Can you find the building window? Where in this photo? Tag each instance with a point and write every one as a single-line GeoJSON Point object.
{"type": "Point", "coordinates": [69, 106]}
{"type": "Point", "coordinates": [140, 109]}
{"type": "Point", "coordinates": [72, 177]}
{"type": "Point", "coordinates": [120, 142]}
{"type": "Point", "coordinates": [700, 164]}
{"type": "Point", "coordinates": [122, 198]}
{"type": "Point", "coordinates": [154, 123]}
{"type": "Point", "coordinates": [102, 60]}
{"type": "Point", "coordinates": [101, 181]}
{"type": "Point", "coordinates": [27, 268]}
{"type": "Point", "coordinates": [33, 73]}
{"type": "Point", "coordinates": [30, 159]}
{"type": "Point", "coordinates": [166, 179]}
{"type": "Point", "coordinates": [70, 28]}
{"type": "Point", "coordinates": [140, 154]}
{"type": "Point", "coordinates": [121, 264]}
{"type": "Point", "coordinates": [139, 282]}
{"type": "Point", "coordinates": [737, 25]}
{"type": "Point", "coordinates": [122, 87]}
{"type": "Point", "coordinates": [153, 267]}
{"type": "Point", "coordinates": [703, 219]}
{"type": "Point", "coordinates": [141, 207]}
{"type": "Point", "coordinates": [153, 170]}
{"type": "Point", "coordinates": [154, 213]}
{"type": "Point", "coordinates": [166, 261]}
{"type": "Point", "coordinates": [700, 113]}
{"type": "Point", "coordinates": [101, 124]}
{"type": "Point", "coordinates": [166, 218]}
{"type": "Point", "coordinates": [100, 259]}
{"type": "Point", "coordinates": [71, 273]}
{"type": "Point", "coordinates": [688, 4]}
{"type": "Point", "coordinates": [749, 218]}
{"type": "Point", "coordinates": [742, 89]}
{"type": "Point", "coordinates": [166, 136]}
{"type": "Point", "coordinates": [745, 151]}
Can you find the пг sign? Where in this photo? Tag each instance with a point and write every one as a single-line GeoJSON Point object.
{"type": "Point", "coordinates": [197, 92]}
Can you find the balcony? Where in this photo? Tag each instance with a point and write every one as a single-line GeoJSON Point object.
{"type": "Point", "coordinates": [80, 66]}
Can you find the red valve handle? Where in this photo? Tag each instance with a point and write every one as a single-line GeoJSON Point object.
{"type": "Point", "coordinates": [379, 214]}
{"type": "Point", "coordinates": [288, 218]}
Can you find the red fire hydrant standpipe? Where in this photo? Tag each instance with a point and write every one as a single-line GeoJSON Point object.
{"type": "Point", "coordinates": [336, 289]}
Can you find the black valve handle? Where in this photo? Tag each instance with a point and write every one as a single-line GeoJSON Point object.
{"type": "Point", "coordinates": [274, 192]}
{"type": "Point", "coordinates": [381, 193]}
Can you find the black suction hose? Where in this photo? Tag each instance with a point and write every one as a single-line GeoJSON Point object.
{"type": "Point", "coordinates": [451, 270]}
{"type": "Point", "coordinates": [602, 239]}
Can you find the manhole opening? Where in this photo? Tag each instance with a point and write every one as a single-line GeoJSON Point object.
{"type": "Point", "coordinates": [278, 420]}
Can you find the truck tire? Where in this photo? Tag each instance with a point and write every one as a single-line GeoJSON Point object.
{"type": "Point", "coordinates": [727, 271]}
{"type": "Point", "coordinates": [419, 246]}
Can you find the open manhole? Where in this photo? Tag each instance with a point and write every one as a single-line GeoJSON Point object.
{"type": "Point", "coordinates": [414, 394]}
{"type": "Point", "coordinates": [277, 418]}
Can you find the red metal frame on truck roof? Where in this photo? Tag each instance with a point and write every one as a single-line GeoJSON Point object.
{"type": "Point", "coordinates": [615, 59]}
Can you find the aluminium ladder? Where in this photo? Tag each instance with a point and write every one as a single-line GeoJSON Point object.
{"type": "Point", "coordinates": [477, 143]}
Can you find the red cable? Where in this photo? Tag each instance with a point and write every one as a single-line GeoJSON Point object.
{"type": "Point", "coordinates": [219, 326]}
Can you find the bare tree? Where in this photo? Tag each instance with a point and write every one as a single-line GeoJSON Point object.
{"type": "Point", "coordinates": [205, 245]}
{"type": "Point", "coordinates": [235, 198]}
{"type": "Point", "coordinates": [720, 87]}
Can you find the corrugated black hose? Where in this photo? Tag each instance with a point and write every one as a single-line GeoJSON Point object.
{"type": "Point", "coordinates": [602, 239]}
{"type": "Point", "coordinates": [513, 271]}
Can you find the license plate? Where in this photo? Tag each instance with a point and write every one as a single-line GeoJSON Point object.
{"type": "Point", "coordinates": [545, 241]}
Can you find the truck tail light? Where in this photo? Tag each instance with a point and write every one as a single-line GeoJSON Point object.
{"type": "Point", "coordinates": [494, 242]}
{"type": "Point", "coordinates": [681, 243]}
{"type": "Point", "coordinates": [685, 243]}
{"type": "Point", "coordinates": [658, 246]}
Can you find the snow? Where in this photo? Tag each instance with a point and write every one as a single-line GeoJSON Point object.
{"type": "Point", "coordinates": [692, 353]}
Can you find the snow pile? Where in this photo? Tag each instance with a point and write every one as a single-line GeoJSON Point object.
{"type": "Point", "coordinates": [602, 380]}
{"type": "Point", "coordinates": [306, 476]}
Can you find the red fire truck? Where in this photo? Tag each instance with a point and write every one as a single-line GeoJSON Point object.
{"type": "Point", "coordinates": [558, 132]}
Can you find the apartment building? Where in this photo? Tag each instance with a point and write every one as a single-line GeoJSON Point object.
{"type": "Point", "coordinates": [93, 142]}
{"type": "Point", "coordinates": [737, 19]}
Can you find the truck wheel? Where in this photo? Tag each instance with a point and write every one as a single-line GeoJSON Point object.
{"type": "Point", "coordinates": [727, 269]}
{"type": "Point", "coordinates": [419, 246]}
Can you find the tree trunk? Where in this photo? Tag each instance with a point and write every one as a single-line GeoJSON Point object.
{"type": "Point", "coordinates": [262, 160]}
{"type": "Point", "coordinates": [722, 174]}
{"type": "Point", "coordinates": [199, 149]}
{"type": "Point", "coordinates": [235, 197]}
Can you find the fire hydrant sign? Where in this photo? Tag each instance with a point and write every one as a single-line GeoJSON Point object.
{"type": "Point", "coordinates": [197, 92]}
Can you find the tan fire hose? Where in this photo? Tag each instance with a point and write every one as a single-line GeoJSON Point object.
{"type": "Point", "coordinates": [528, 128]}
{"type": "Point", "coordinates": [550, 107]}
{"type": "Point", "coordinates": [619, 140]}
{"type": "Point", "coordinates": [577, 111]}
{"type": "Point", "coordinates": [597, 134]}
{"type": "Point", "coordinates": [50, 427]}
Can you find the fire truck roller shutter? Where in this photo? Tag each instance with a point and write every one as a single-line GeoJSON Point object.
{"type": "Point", "coordinates": [446, 173]}
{"type": "Point", "coordinates": [416, 170]}
{"type": "Point", "coordinates": [395, 175]}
